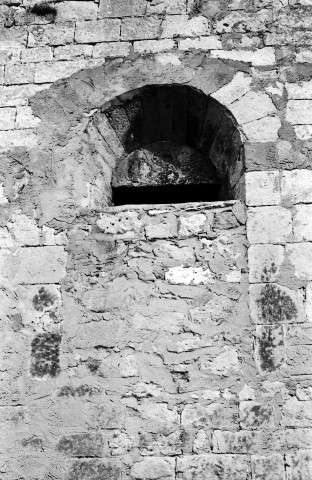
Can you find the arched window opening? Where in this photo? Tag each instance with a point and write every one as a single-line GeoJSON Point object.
{"type": "Point", "coordinates": [178, 145]}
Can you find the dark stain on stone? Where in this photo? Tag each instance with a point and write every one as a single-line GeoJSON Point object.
{"type": "Point", "coordinates": [81, 391]}
{"type": "Point", "coordinates": [266, 345]}
{"type": "Point", "coordinates": [276, 306]}
{"type": "Point", "coordinates": [43, 300]}
{"type": "Point", "coordinates": [268, 272]}
{"type": "Point", "coordinates": [93, 470]}
{"type": "Point", "coordinates": [45, 355]}
{"type": "Point", "coordinates": [17, 322]}
{"type": "Point", "coordinates": [81, 445]}
{"type": "Point", "coordinates": [34, 442]}
{"type": "Point", "coordinates": [43, 9]}
{"type": "Point", "coordinates": [93, 364]}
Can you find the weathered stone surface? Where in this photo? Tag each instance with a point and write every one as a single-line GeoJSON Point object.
{"type": "Point", "coordinates": [271, 466]}
{"type": "Point", "coordinates": [268, 224]}
{"type": "Point", "coordinates": [262, 130]}
{"type": "Point", "coordinates": [7, 119]}
{"type": "Point", "coordinates": [299, 112]}
{"type": "Point", "coordinates": [33, 265]}
{"type": "Point", "coordinates": [224, 364]}
{"type": "Point", "coordinates": [60, 34]}
{"type": "Point", "coordinates": [262, 188]}
{"type": "Point", "coordinates": [154, 468]}
{"type": "Point", "coordinates": [302, 223]}
{"type": "Point", "coordinates": [238, 87]}
{"type": "Point", "coordinates": [271, 303]}
{"type": "Point", "coordinates": [99, 31]}
{"type": "Point", "coordinates": [252, 106]}
{"type": "Point", "coordinates": [299, 465]}
{"type": "Point", "coordinates": [139, 29]}
{"type": "Point", "coordinates": [253, 415]}
{"type": "Point", "coordinates": [119, 8]}
{"type": "Point", "coordinates": [189, 276]}
{"type": "Point", "coordinates": [214, 415]}
{"type": "Point", "coordinates": [184, 26]}
{"type": "Point", "coordinates": [296, 186]}
{"type": "Point", "coordinates": [81, 445]}
{"type": "Point", "coordinates": [212, 467]}
{"type": "Point", "coordinates": [45, 355]}
{"type": "Point", "coordinates": [265, 262]}
{"type": "Point", "coordinates": [76, 11]}
{"type": "Point", "coordinates": [296, 413]}
{"type": "Point", "coordinates": [245, 441]}
{"type": "Point", "coordinates": [270, 348]}
{"type": "Point", "coordinates": [300, 256]}
{"type": "Point", "coordinates": [262, 57]}
{"type": "Point", "coordinates": [93, 470]}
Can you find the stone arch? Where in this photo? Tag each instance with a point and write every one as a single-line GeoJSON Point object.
{"type": "Point", "coordinates": [70, 108]}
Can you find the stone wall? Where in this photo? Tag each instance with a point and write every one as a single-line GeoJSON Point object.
{"type": "Point", "coordinates": [162, 341]}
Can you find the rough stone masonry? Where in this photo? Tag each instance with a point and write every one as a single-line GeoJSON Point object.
{"type": "Point", "coordinates": [164, 341]}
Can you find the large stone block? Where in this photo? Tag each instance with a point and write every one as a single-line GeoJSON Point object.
{"type": "Point", "coordinates": [261, 57]}
{"type": "Point", "coordinates": [154, 468]}
{"type": "Point", "coordinates": [25, 118]}
{"type": "Point", "coordinates": [264, 262]}
{"type": "Point", "coordinates": [52, 71]}
{"type": "Point", "coordinates": [263, 130]}
{"type": "Point", "coordinates": [296, 186]}
{"type": "Point", "coordinates": [120, 8]}
{"type": "Point", "coordinates": [252, 106]}
{"type": "Point", "coordinates": [140, 28]}
{"type": "Point", "coordinates": [18, 95]}
{"type": "Point", "coordinates": [33, 265]}
{"type": "Point", "coordinates": [183, 26]}
{"type": "Point", "coordinates": [153, 46]}
{"type": "Point", "coordinates": [212, 467]}
{"type": "Point", "coordinates": [17, 138]}
{"type": "Point", "coordinates": [299, 360]}
{"type": "Point", "coordinates": [262, 188]}
{"type": "Point", "coordinates": [268, 224]}
{"type": "Point", "coordinates": [303, 223]}
{"type": "Point", "coordinates": [299, 112]}
{"type": "Point", "coordinates": [238, 86]}
{"type": "Point", "coordinates": [7, 118]}
{"type": "Point", "coordinates": [299, 465]}
{"type": "Point", "coordinates": [270, 348]}
{"type": "Point", "coordinates": [45, 355]}
{"type": "Point", "coordinates": [271, 303]}
{"type": "Point", "coordinates": [111, 49]}
{"type": "Point", "coordinates": [299, 91]}
{"type": "Point", "coordinates": [52, 35]}
{"type": "Point", "coordinates": [81, 445]}
{"type": "Point", "coordinates": [245, 441]}
{"type": "Point", "coordinates": [85, 469]}
{"type": "Point", "coordinates": [268, 467]}
{"type": "Point", "coordinates": [300, 256]}
{"type": "Point", "coordinates": [107, 30]}
{"type": "Point", "coordinates": [19, 73]}
{"type": "Point", "coordinates": [254, 416]}
{"type": "Point", "coordinates": [76, 11]}
{"type": "Point", "coordinates": [214, 415]}
{"type": "Point", "coordinates": [296, 413]}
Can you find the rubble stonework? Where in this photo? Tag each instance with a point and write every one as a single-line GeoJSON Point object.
{"type": "Point", "coordinates": [165, 341]}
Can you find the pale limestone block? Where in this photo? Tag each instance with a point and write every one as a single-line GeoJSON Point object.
{"type": "Point", "coordinates": [25, 118]}
{"type": "Point", "coordinates": [39, 306]}
{"type": "Point", "coordinates": [68, 52]}
{"type": "Point", "coordinates": [299, 91]}
{"type": "Point", "coordinates": [121, 8]}
{"type": "Point", "coordinates": [261, 57]}
{"type": "Point", "coordinates": [224, 364]}
{"type": "Point", "coordinates": [161, 230]}
{"type": "Point", "coordinates": [296, 413]}
{"type": "Point", "coordinates": [212, 467]}
{"type": "Point", "coordinates": [299, 112]}
{"type": "Point", "coordinates": [24, 230]}
{"type": "Point", "coordinates": [252, 106]}
{"type": "Point", "coordinates": [192, 225]}
{"type": "Point", "coordinates": [269, 466]}
{"type": "Point", "coordinates": [166, 6]}
{"type": "Point", "coordinates": [271, 303]}
{"type": "Point", "coordinates": [6, 239]}
{"type": "Point", "coordinates": [76, 11]}
{"type": "Point", "coordinates": [52, 71]}
{"type": "Point", "coordinates": [98, 31]}
{"type": "Point", "coordinates": [303, 132]}
{"type": "Point", "coordinates": [262, 130]}
{"type": "Point", "coordinates": [19, 73]}
{"type": "Point", "coordinates": [128, 366]}
{"type": "Point", "coordinates": [159, 413]}
{"type": "Point", "coordinates": [154, 468]}
{"type": "Point", "coordinates": [296, 186]}
{"type": "Point", "coordinates": [202, 442]}
{"type": "Point", "coordinates": [3, 199]}
{"type": "Point", "coordinates": [32, 265]}
{"type": "Point", "coordinates": [238, 86]}
{"type": "Point", "coordinates": [303, 393]}
{"type": "Point", "coordinates": [37, 54]}
{"type": "Point", "coordinates": [166, 321]}
{"type": "Point", "coordinates": [300, 256]}
{"type": "Point", "coordinates": [268, 224]}
{"type": "Point", "coordinates": [111, 49]}
{"type": "Point", "coordinates": [179, 254]}
{"type": "Point", "coordinates": [153, 46]}
{"type": "Point", "coordinates": [189, 276]}
{"type": "Point", "coordinates": [308, 305]}
{"type": "Point", "coordinates": [17, 138]}
{"type": "Point", "coordinates": [246, 393]}
{"type": "Point", "coordinates": [52, 35]}
{"type": "Point", "coordinates": [299, 465]}
{"type": "Point", "coordinates": [254, 415]}
{"type": "Point", "coordinates": [201, 43]}
{"type": "Point", "coordinates": [264, 262]}
{"type": "Point", "coordinates": [19, 94]}
{"type": "Point", "coordinates": [305, 56]}
{"type": "Point", "coordinates": [140, 28]}
{"type": "Point", "coordinates": [7, 118]}
{"type": "Point", "coordinates": [119, 223]}
{"type": "Point", "coordinates": [9, 54]}
{"type": "Point", "coordinates": [183, 26]}
{"type": "Point", "coordinates": [262, 188]}
{"type": "Point", "coordinates": [168, 59]}
{"type": "Point", "coordinates": [303, 222]}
